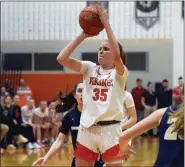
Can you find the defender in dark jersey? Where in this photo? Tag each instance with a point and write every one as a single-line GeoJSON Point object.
{"type": "Point", "coordinates": [171, 142]}
{"type": "Point", "coordinates": [70, 123]}
{"type": "Point", "coordinates": [171, 147]}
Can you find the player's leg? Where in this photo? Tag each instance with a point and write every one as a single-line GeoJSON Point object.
{"type": "Point", "coordinates": [86, 152]}
{"type": "Point", "coordinates": [109, 145]}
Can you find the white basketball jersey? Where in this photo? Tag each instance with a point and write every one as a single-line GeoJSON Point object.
{"type": "Point", "coordinates": [128, 103]}
{"type": "Point", "coordinates": [103, 94]}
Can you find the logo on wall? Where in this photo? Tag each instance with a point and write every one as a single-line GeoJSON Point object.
{"type": "Point", "coordinates": [147, 13]}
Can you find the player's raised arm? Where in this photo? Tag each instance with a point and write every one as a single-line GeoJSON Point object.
{"type": "Point", "coordinates": [114, 46]}
{"type": "Point", "coordinates": [64, 56]}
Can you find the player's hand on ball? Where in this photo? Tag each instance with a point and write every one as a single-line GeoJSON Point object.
{"type": "Point", "coordinates": [103, 15]}
{"type": "Point", "coordinates": [41, 161]}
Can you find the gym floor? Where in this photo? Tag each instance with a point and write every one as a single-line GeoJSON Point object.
{"type": "Point", "coordinates": [146, 152]}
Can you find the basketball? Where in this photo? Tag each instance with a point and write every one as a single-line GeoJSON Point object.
{"type": "Point", "coordinates": [89, 20]}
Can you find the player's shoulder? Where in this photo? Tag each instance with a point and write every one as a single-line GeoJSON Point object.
{"type": "Point", "coordinates": [166, 111]}
{"type": "Point", "coordinates": [173, 108]}
{"type": "Point", "coordinates": [125, 73]}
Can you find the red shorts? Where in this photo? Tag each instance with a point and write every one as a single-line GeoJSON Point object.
{"type": "Point", "coordinates": [98, 139]}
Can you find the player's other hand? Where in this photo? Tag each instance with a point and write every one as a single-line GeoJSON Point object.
{"type": "Point", "coordinates": [40, 161]}
{"type": "Point", "coordinates": [126, 155]}
{"type": "Point", "coordinates": [125, 150]}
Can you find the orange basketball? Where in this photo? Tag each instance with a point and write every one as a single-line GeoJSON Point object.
{"type": "Point", "coordinates": [89, 20]}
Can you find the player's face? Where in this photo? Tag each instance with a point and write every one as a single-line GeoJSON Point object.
{"type": "Point", "coordinates": [78, 93]}
{"type": "Point", "coordinates": [105, 56]}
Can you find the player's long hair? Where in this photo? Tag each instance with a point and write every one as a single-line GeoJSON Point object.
{"type": "Point", "coordinates": [179, 117]}
{"type": "Point", "coordinates": [122, 55]}
{"type": "Point", "coordinates": [74, 92]}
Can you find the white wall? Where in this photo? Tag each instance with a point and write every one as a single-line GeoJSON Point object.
{"type": "Point", "coordinates": [56, 21]}
{"type": "Point", "coordinates": [59, 20]}
{"type": "Point", "coordinates": [178, 43]}
{"type": "Point", "coordinates": [160, 55]}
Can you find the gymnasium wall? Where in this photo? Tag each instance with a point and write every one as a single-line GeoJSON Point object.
{"type": "Point", "coordinates": [29, 27]}
{"type": "Point", "coordinates": [59, 20]}
{"type": "Point", "coordinates": [160, 53]}
{"type": "Point", "coordinates": [45, 86]}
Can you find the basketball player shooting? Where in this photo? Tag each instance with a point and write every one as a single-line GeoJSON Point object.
{"type": "Point", "coordinates": [103, 95]}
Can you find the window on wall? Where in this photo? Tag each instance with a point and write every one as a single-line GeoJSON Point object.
{"type": "Point", "coordinates": [137, 61]}
{"type": "Point", "coordinates": [46, 62]}
{"type": "Point", "coordinates": [17, 61]}
{"type": "Point", "coordinates": [93, 57]}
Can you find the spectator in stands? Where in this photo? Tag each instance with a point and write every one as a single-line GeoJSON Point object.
{"type": "Point", "coordinates": [164, 95]}
{"type": "Point", "coordinates": [25, 129]}
{"type": "Point", "coordinates": [39, 116]}
{"type": "Point", "coordinates": [3, 93]}
{"type": "Point", "coordinates": [24, 92]}
{"type": "Point", "coordinates": [150, 103]}
{"type": "Point", "coordinates": [54, 129]}
{"type": "Point", "coordinates": [7, 112]}
{"type": "Point", "coordinates": [177, 92]}
{"type": "Point", "coordinates": [137, 93]}
{"type": "Point", "coordinates": [3, 131]}
{"type": "Point", "coordinates": [8, 86]}
{"type": "Point", "coordinates": [27, 115]}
